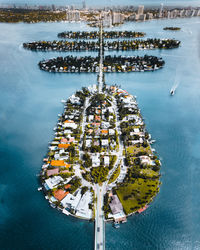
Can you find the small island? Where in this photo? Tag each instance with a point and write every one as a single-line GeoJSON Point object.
{"type": "Point", "coordinates": [95, 34]}
{"type": "Point", "coordinates": [70, 64]}
{"type": "Point", "coordinates": [172, 28]}
{"type": "Point", "coordinates": [122, 45]}
{"type": "Point", "coordinates": [101, 139]}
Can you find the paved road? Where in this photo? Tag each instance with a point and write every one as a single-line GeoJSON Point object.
{"type": "Point", "coordinates": [99, 219]}
{"type": "Point", "coordinates": [101, 60]}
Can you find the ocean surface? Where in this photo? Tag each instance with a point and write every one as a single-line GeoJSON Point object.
{"type": "Point", "coordinates": [29, 105]}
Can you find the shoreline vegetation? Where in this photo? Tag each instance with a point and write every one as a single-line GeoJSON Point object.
{"type": "Point", "coordinates": [86, 150]}
{"type": "Point", "coordinates": [172, 28]}
{"type": "Point", "coordinates": [95, 34]}
{"type": "Point", "coordinates": [31, 16]}
{"type": "Point", "coordinates": [108, 45]}
{"type": "Point", "coordinates": [12, 13]}
{"type": "Point", "coordinates": [70, 64]}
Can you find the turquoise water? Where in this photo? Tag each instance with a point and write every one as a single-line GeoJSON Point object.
{"type": "Point", "coordinates": [30, 102]}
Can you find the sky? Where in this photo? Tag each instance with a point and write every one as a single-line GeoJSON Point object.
{"type": "Point", "coordinates": [104, 2]}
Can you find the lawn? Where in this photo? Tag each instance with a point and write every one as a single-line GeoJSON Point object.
{"type": "Point", "coordinates": [134, 196]}
{"type": "Point", "coordinates": [134, 150]}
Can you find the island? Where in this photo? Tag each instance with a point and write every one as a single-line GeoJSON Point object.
{"type": "Point", "coordinates": [172, 28]}
{"type": "Point", "coordinates": [108, 45]}
{"type": "Point", "coordinates": [95, 34]}
{"type": "Point", "coordinates": [100, 164]}
{"type": "Point", "coordinates": [101, 139]}
{"type": "Point", "coordinates": [70, 64]}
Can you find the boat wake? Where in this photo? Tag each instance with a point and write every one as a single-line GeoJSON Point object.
{"type": "Point", "coordinates": [176, 84]}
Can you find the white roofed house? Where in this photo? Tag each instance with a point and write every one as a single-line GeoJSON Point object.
{"type": "Point", "coordinates": [70, 124]}
{"type": "Point", "coordinates": [52, 182]}
{"type": "Point", "coordinates": [104, 143]}
{"type": "Point", "coordinates": [106, 160]}
{"type": "Point", "coordinates": [146, 160]}
{"type": "Point", "coordinates": [96, 160]}
{"type": "Point", "coordinates": [71, 201]}
{"type": "Point", "coordinates": [82, 210]}
{"type": "Point", "coordinates": [88, 143]}
{"type": "Point", "coordinates": [111, 131]}
{"type": "Point", "coordinates": [91, 118]}
{"type": "Point", "coordinates": [75, 100]}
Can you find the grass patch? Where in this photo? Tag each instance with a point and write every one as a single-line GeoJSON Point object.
{"type": "Point", "coordinates": [134, 196]}
{"type": "Point", "coordinates": [133, 150]}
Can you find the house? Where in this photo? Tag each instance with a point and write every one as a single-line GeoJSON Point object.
{"type": "Point", "coordinates": [58, 163]}
{"type": "Point", "coordinates": [75, 100]}
{"type": "Point", "coordinates": [90, 118]}
{"type": "Point", "coordinates": [104, 131]}
{"type": "Point", "coordinates": [117, 209]}
{"type": "Point", "coordinates": [106, 160]}
{"type": "Point", "coordinates": [63, 145]}
{"type": "Point", "coordinates": [95, 160]}
{"type": "Point", "coordinates": [115, 205]}
{"type": "Point", "coordinates": [97, 118]}
{"type": "Point", "coordinates": [105, 124]}
{"type": "Point", "coordinates": [71, 201]}
{"type": "Point", "coordinates": [111, 132]}
{"type": "Point", "coordinates": [88, 143]}
{"type": "Point", "coordinates": [60, 194]}
{"type": "Point", "coordinates": [52, 182]}
{"type": "Point", "coordinates": [70, 124]}
{"type": "Point", "coordinates": [104, 143]}
{"type": "Point", "coordinates": [82, 210]}
{"type": "Point", "coordinates": [51, 172]}
{"type": "Point", "coordinates": [146, 160]}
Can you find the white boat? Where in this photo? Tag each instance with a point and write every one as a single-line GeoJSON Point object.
{"type": "Point", "coordinates": [39, 189]}
{"type": "Point", "coordinates": [63, 101]}
{"type": "Point", "coordinates": [172, 91]}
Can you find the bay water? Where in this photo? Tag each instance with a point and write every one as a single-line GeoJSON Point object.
{"type": "Point", "coordinates": [29, 105]}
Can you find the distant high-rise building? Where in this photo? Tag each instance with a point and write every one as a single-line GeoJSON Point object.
{"type": "Point", "coordinates": [161, 11]}
{"type": "Point", "coordinates": [84, 4]}
{"type": "Point", "coordinates": [117, 18]}
{"type": "Point", "coordinates": [73, 15]}
{"type": "Point", "coordinates": [141, 10]}
{"type": "Point", "coordinates": [142, 17]}
{"type": "Point", "coordinates": [107, 18]}
{"type": "Point", "coordinates": [149, 15]}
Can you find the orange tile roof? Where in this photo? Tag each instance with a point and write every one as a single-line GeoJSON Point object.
{"type": "Point", "coordinates": [67, 186]}
{"type": "Point", "coordinates": [97, 117]}
{"type": "Point", "coordinates": [63, 145]}
{"type": "Point", "coordinates": [68, 121]}
{"type": "Point", "coordinates": [104, 131]}
{"type": "Point", "coordinates": [57, 163]}
{"type": "Point", "coordinates": [60, 194]}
